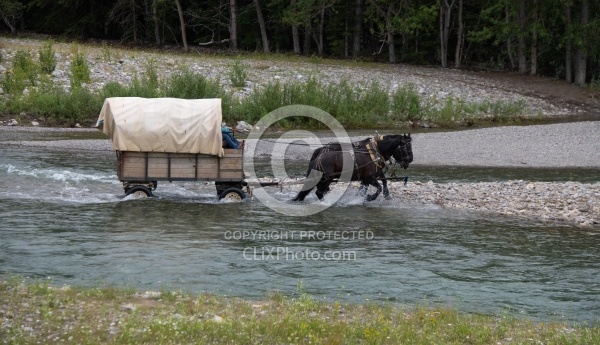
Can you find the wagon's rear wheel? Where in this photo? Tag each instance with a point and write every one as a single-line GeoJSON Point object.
{"type": "Point", "coordinates": [139, 192]}
{"type": "Point", "coordinates": [232, 194]}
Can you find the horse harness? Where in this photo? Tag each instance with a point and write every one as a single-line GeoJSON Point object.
{"type": "Point", "coordinates": [373, 151]}
{"type": "Point", "coordinates": [371, 148]}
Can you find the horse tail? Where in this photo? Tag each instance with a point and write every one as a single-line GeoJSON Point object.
{"type": "Point", "coordinates": [314, 156]}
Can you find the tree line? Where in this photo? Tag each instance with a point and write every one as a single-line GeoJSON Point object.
{"type": "Point", "coordinates": [559, 38]}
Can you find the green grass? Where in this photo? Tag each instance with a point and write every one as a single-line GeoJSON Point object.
{"type": "Point", "coordinates": [355, 105]}
{"type": "Point", "coordinates": [37, 312]}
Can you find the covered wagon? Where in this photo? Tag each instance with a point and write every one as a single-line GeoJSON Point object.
{"type": "Point", "coordinates": [169, 139]}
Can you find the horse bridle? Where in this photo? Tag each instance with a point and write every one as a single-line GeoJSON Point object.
{"type": "Point", "coordinates": [403, 146]}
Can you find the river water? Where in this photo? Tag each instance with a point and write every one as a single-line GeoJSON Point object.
{"type": "Point", "coordinates": [63, 217]}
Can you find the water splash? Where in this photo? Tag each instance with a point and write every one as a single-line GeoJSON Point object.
{"type": "Point", "coordinates": [58, 174]}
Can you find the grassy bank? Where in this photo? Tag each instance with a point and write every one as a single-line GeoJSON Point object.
{"type": "Point", "coordinates": [38, 313]}
{"type": "Point", "coordinates": [29, 88]}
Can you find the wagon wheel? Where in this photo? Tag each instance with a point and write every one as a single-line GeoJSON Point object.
{"type": "Point", "coordinates": [139, 192]}
{"type": "Point", "coordinates": [232, 194]}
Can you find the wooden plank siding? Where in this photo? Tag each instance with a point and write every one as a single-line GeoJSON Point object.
{"type": "Point", "coordinates": [160, 166]}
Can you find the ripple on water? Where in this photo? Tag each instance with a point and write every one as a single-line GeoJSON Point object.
{"type": "Point", "coordinates": [65, 217]}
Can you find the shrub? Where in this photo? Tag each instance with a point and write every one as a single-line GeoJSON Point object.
{"type": "Point", "coordinates": [406, 104]}
{"type": "Point", "coordinates": [14, 82]}
{"type": "Point", "coordinates": [80, 104]}
{"type": "Point", "coordinates": [189, 85]}
{"type": "Point", "coordinates": [24, 66]}
{"type": "Point", "coordinates": [47, 59]}
{"type": "Point", "coordinates": [142, 88]}
{"type": "Point", "coordinates": [80, 72]}
{"type": "Point", "coordinates": [72, 107]}
{"type": "Point", "coordinates": [238, 74]}
{"type": "Point", "coordinates": [106, 55]}
{"type": "Point", "coordinates": [351, 105]}
{"type": "Point", "coordinates": [114, 89]}
{"type": "Point", "coordinates": [150, 76]}
{"type": "Point", "coordinates": [371, 107]}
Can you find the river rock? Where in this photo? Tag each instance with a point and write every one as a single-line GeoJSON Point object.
{"type": "Point", "coordinates": [151, 294]}
{"type": "Point", "coordinates": [128, 307]}
{"type": "Point", "coordinates": [57, 73]}
{"type": "Point", "coordinates": [243, 126]}
{"type": "Point", "coordinates": [12, 122]}
{"type": "Point", "coordinates": [35, 123]}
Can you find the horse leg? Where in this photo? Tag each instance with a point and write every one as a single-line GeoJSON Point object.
{"type": "Point", "coordinates": [362, 190]}
{"type": "Point", "coordinates": [302, 194]}
{"type": "Point", "coordinates": [386, 191]}
{"type": "Point", "coordinates": [309, 184]}
{"type": "Point", "coordinates": [376, 184]}
{"type": "Point", "coordinates": [322, 189]}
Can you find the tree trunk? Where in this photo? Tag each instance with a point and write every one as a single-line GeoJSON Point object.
{"type": "Point", "coordinates": [13, 28]}
{"type": "Point", "coordinates": [182, 23]}
{"type": "Point", "coordinates": [509, 48]}
{"type": "Point", "coordinates": [147, 16]}
{"type": "Point", "coordinates": [233, 19]}
{"type": "Point", "coordinates": [358, 17]}
{"type": "Point", "coordinates": [568, 47]}
{"type": "Point", "coordinates": [295, 32]}
{"type": "Point", "coordinates": [405, 5]}
{"type": "Point", "coordinates": [522, 25]}
{"type": "Point", "coordinates": [296, 39]}
{"type": "Point", "coordinates": [134, 14]}
{"type": "Point", "coordinates": [581, 53]}
{"type": "Point", "coordinates": [442, 47]}
{"type": "Point", "coordinates": [445, 13]}
{"type": "Point", "coordinates": [534, 42]}
{"type": "Point", "coordinates": [390, 35]}
{"type": "Point", "coordinates": [321, 41]}
{"type": "Point", "coordinates": [346, 34]}
{"type": "Point", "coordinates": [155, 19]}
{"type": "Point", "coordinates": [307, 36]}
{"type": "Point", "coordinates": [12, 14]}
{"type": "Point", "coordinates": [459, 36]}
{"type": "Point", "coordinates": [263, 26]}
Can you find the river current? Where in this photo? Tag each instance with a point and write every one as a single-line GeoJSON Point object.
{"type": "Point", "coordinates": [63, 217]}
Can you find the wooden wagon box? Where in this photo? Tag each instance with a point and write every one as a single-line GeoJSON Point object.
{"type": "Point", "coordinates": [159, 166]}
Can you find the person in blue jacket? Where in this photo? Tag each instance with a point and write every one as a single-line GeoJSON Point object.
{"type": "Point", "coordinates": [228, 137]}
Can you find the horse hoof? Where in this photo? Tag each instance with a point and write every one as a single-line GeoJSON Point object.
{"type": "Point", "coordinates": [387, 197]}
{"type": "Point", "coordinates": [371, 198]}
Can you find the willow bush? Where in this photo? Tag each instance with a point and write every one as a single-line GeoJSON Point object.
{"type": "Point", "coordinates": [47, 58]}
{"type": "Point", "coordinates": [369, 105]}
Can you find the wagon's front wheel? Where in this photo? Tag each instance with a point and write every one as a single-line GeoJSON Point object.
{"type": "Point", "coordinates": [232, 194]}
{"type": "Point", "coordinates": [139, 192]}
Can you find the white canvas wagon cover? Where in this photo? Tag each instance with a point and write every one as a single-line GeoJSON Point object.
{"type": "Point", "coordinates": [163, 124]}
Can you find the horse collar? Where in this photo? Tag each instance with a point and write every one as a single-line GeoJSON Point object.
{"type": "Point", "coordinates": [375, 155]}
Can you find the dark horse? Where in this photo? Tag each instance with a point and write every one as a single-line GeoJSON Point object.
{"type": "Point", "coordinates": [370, 157]}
